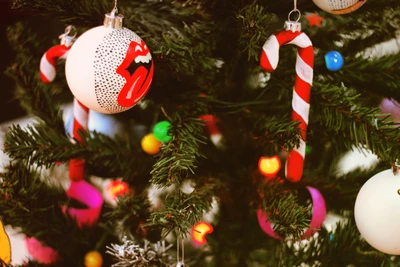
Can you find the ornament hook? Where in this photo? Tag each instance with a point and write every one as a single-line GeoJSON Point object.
{"type": "Point", "coordinates": [68, 37]}
{"type": "Point", "coordinates": [115, 9]}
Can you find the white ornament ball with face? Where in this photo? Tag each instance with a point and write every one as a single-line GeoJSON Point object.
{"type": "Point", "coordinates": [377, 212]}
{"type": "Point", "coordinates": [109, 70]}
{"type": "Point", "coordinates": [339, 6]}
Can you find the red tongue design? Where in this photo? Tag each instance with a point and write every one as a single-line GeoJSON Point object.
{"type": "Point", "coordinates": [138, 83]}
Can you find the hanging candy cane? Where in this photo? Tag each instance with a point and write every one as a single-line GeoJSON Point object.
{"type": "Point", "coordinates": [302, 86]}
{"type": "Point", "coordinates": [81, 116]}
{"type": "Point", "coordinates": [49, 60]}
{"type": "Point", "coordinates": [211, 123]}
{"type": "Point", "coordinates": [79, 189]}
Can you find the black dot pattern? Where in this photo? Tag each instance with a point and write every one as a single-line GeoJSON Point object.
{"type": "Point", "coordinates": [108, 56]}
{"type": "Point", "coordinates": [341, 4]}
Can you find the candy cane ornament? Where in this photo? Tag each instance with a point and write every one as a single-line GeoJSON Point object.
{"type": "Point", "coordinates": [301, 90]}
{"type": "Point", "coordinates": [81, 118]}
{"type": "Point", "coordinates": [211, 123]}
{"type": "Point", "coordinates": [79, 189]}
{"type": "Point", "coordinates": [48, 62]}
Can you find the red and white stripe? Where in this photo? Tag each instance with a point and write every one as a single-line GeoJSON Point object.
{"type": "Point", "coordinates": [49, 60]}
{"type": "Point", "coordinates": [211, 123]}
{"type": "Point", "coordinates": [301, 90]}
{"type": "Point", "coordinates": [81, 115]}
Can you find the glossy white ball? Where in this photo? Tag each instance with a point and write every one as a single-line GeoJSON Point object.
{"type": "Point", "coordinates": [339, 7]}
{"type": "Point", "coordinates": [377, 212]}
{"type": "Point", "coordinates": [109, 70]}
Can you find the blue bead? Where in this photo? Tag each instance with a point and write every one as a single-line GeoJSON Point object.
{"type": "Point", "coordinates": [331, 236]}
{"type": "Point", "coordinates": [334, 60]}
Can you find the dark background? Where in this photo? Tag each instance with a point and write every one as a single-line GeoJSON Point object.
{"type": "Point", "coordinates": [9, 107]}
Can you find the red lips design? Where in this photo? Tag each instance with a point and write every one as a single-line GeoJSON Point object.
{"type": "Point", "coordinates": [138, 83]}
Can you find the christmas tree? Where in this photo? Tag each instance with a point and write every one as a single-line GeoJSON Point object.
{"type": "Point", "coordinates": [217, 139]}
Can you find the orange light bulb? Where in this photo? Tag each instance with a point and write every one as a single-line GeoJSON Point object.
{"type": "Point", "coordinates": [117, 188]}
{"type": "Point", "coordinates": [199, 232]}
{"type": "Point", "coordinates": [269, 166]}
{"type": "Point", "coordinates": [93, 259]}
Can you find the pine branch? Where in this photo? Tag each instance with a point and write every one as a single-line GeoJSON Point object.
{"type": "Point", "coordinates": [274, 133]}
{"type": "Point", "coordinates": [344, 240]}
{"type": "Point", "coordinates": [115, 156]}
{"type": "Point", "coordinates": [132, 254]}
{"type": "Point", "coordinates": [43, 146]}
{"type": "Point", "coordinates": [340, 114]}
{"type": "Point", "coordinates": [290, 219]}
{"type": "Point", "coordinates": [375, 73]}
{"type": "Point", "coordinates": [75, 12]}
{"type": "Point", "coordinates": [177, 34]}
{"type": "Point", "coordinates": [39, 145]}
{"type": "Point", "coordinates": [178, 157]}
{"type": "Point", "coordinates": [363, 31]}
{"type": "Point", "coordinates": [182, 211]}
{"type": "Point", "coordinates": [31, 204]}
{"type": "Point", "coordinates": [128, 217]}
{"type": "Point", "coordinates": [34, 96]}
{"type": "Point", "coordinates": [34, 205]}
{"type": "Point", "coordinates": [254, 29]}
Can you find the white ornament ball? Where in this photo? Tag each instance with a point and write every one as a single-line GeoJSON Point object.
{"type": "Point", "coordinates": [377, 212]}
{"type": "Point", "coordinates": [109, 70]}
{"type": "Point", "coordinates": [339, 6]}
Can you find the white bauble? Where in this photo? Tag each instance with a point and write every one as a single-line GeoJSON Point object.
{"type": "Point", "coordinates": [339, 6]}
{"type": "Point", "coordinates": [377, 212]}
{"type": "Point", "coordinates": [109, 70]}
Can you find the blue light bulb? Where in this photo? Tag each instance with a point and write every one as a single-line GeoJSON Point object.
{"type": "Point", "coordinates": [334, 60]}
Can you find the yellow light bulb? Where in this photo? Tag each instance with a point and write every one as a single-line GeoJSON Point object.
{"type": "Point", "coordinates": [269, 166]}
{"type": "Point", "coordinates": [150, 144]}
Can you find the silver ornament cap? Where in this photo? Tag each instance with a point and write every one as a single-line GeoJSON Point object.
{"type": "Point", "coordinates": [113, 21]}
{"type": "Point", "coordinates": [293, 26]}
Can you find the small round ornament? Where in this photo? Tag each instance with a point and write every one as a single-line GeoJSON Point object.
{"type": "Point", "coordinates": [339, 7]}
{"type": "Point", "coordinates": [269, 166]}
{"type": "Point", "coordinates": [160, 131]}
{"type": "Point", "coordinates": [109, 68]}
{"type": "Point", "coordinates": [334, 60]}
{"type": "Point", "coordinates": [318, 216]}
{"type": "Point", "coordinates": [93, 259]}
{"type": "Point", "coordinates": [150, 144]}
{"type": "Point", "coordinates": [377, 212]}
